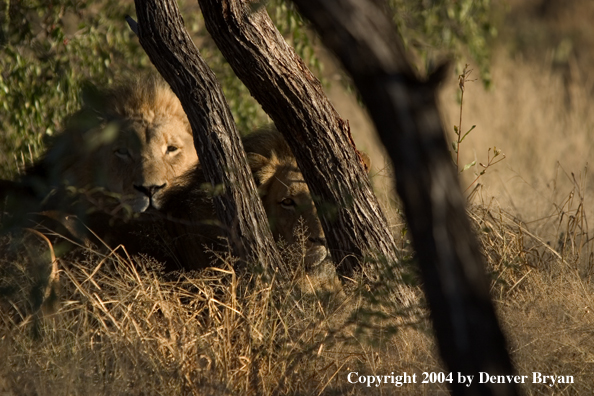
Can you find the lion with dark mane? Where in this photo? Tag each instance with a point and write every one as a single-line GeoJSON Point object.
{"type": "Point", "coordinates": [191, 222]}
{"type": "Point", "coordinates": [133, 140]}
{"type": "Point", "coordinates": [285, 194]}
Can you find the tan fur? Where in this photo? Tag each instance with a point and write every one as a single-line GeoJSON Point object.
{"type": "Point", "coordinates": [285, 195]}
{"type": "Point", "coordinates": [133, 140]}
{"type": "Point", "coordinates": [190, 223]}
{"type": "Point", "coordinates": [185, 227]}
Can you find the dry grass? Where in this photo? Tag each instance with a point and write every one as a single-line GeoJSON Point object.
{"type": "Point", "coordinates": [544, 297]}
{"type": "Point", "coordinates": [541, 121]}
{"type": "Point", "coordinates": [122, 327]}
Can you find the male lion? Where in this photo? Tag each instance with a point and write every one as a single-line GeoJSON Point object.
{"type": "Point", "coordinates": [190, 222]}
{"type": "Point", "coordinates": [133, 140]}
{"type": "Point", "coordinates": [285, 194]}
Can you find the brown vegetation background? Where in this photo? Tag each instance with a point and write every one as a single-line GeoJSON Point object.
{"type": "Point", "coordinates": [539, 113]}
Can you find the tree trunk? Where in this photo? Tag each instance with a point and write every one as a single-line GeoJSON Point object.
{"type": "Point", "coordinates": [355, 227]}
{"type": "Point", "coordinates": [162, 35]}
{"type": "Point", "coordinates": [405, 113]}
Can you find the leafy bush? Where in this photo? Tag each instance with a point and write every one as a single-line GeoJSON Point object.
{"type": "Point", "coordinates": [438, 28]}
{"type": "Point", "coordinates": [51, 50]}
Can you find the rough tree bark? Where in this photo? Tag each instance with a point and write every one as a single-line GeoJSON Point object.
{"type": "Point", "coordinates": [320, 140]}
{"type": "Point", "coordinates": [405, 113]}
{"type": "Point", "coordinates": [163, 36]}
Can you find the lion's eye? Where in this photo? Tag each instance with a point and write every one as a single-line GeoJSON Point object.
{"type": "Point", "coordinates": [172, 149]}
{"type": "Point", "coordinates": [288, 203]}
{"type": "Point", "coordinates": [122, 152]}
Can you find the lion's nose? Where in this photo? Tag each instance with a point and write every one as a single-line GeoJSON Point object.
{"type": "Point", "coordinates": [149, 191]}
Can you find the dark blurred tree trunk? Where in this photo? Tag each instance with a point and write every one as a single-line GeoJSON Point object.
{"type": "Point", "coordinates": [163, 36]}
{"type": "Point", "coordinates": [355, 227]}
{"type": "Point", "coordinates": [405, 113]}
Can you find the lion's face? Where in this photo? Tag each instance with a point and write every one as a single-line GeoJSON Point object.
{"type": "Point", "coordinates": [289, 205]}
{"type": "Point", "coordinates": [132, 140]}
{"type": "Point", "coordinates": [146, 157]}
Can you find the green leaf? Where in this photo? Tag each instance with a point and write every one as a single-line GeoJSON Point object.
{"type": "Point", "coordinates": [466, 134]}
{"type": "Point", "coordinates": [455, 146]}
{"type": "Point", "coordinates": [473, 163]}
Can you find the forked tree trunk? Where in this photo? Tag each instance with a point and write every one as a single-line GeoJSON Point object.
{"type": "Point", "coordinates": [405, 113]}
{"type": "Point", "coordinates": [164, 38]}
{"type": "Point", "coordinates": [355, 227]}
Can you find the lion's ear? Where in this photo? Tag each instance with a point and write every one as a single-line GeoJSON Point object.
{"type": "Point", "coordinates": [257, 161]}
